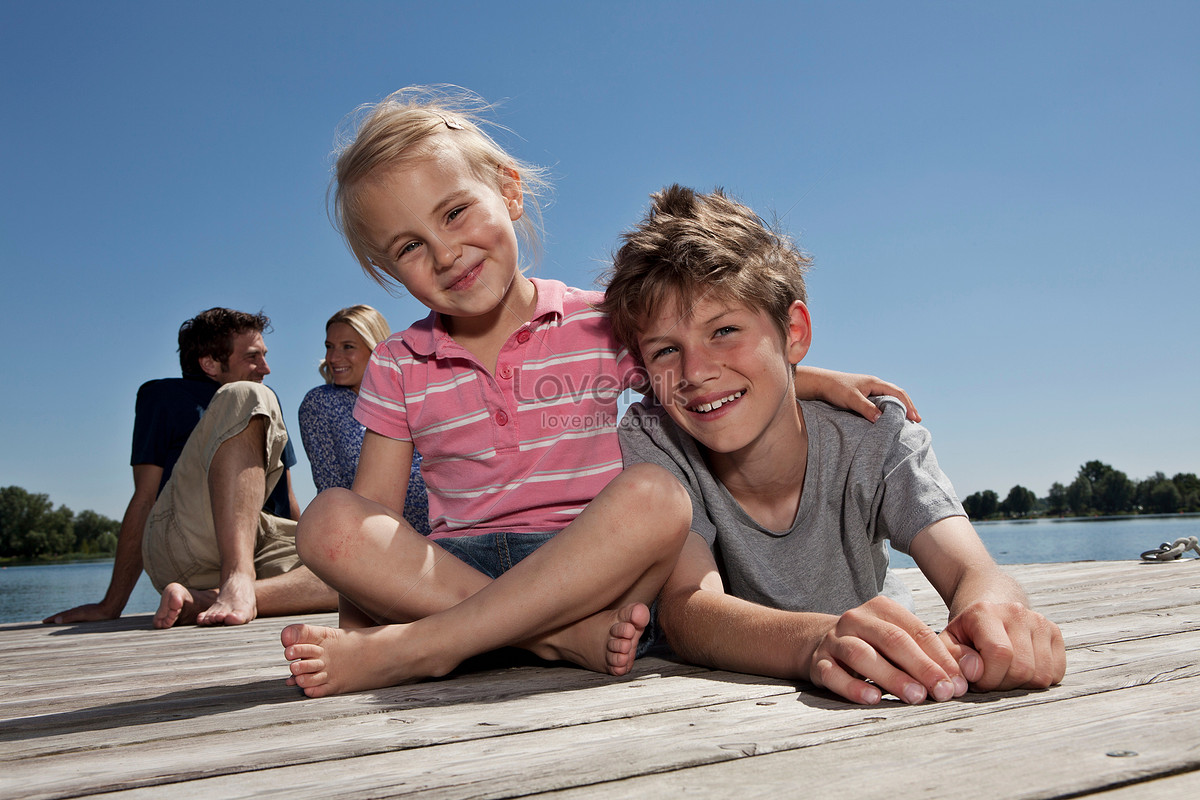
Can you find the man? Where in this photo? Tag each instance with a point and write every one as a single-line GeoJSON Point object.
{"type": "Point", "coordinates": [212, 517]}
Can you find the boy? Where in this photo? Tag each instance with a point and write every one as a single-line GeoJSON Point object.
{"type": "Point", "coordinates": [794, 499]}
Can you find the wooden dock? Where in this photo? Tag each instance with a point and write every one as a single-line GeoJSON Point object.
{"type": "Point", "coordinates": [118, 709]}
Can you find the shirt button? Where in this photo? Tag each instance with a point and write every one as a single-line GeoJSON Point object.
{"type": "Point", "coordinates": [501, 418]}
{"type": "Point", "coordinates": [506, 372]}
{"type": "Point", "coordinates": [523, 336]}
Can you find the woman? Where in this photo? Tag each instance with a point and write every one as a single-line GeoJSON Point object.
{"type": "Point", "coordinates": [332, 437]}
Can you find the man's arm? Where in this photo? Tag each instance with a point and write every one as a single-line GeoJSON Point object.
{"type": "Point", "coordinates": [127, 566]}
{"type": "Point", "coordinates": [879, 641]}
{"type": "Point", "coordinates": [989, 611]}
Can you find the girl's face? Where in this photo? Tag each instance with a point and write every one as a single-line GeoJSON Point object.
{"type": "Point", "coordinates": [446, 235]}
{"type": "Point", "coordinates": [346, 355]}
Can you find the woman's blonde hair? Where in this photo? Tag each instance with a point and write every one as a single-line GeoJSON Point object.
{"type": "Point", "coordinates": [366, 322]}
{"type": "Point", "coordinates": [406, 126]}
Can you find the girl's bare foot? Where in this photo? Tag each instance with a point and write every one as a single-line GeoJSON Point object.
{"type": "Point", "coordinates": [604, 642]}
{"type": "Point", "coordinates": [180, 605]}
{"type": "Point", "coordinates": [329, 661]}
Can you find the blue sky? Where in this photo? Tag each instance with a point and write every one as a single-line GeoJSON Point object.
{"type": "Point", "coordinates": [1002, 199]}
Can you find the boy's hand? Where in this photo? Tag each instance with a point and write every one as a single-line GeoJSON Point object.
{"type": "Point", "coordinates": [849, 391]}
{"type": "Point", "coordinates": [882, 642]}
{"type": "Point", "coordinates": [1020, 648]}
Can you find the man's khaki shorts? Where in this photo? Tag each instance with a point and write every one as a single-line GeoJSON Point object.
{"type": "Point", "coordinates": [180, 541]}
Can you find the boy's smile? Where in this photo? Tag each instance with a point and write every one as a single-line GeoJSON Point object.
{"type": "Point", "coordinates": [724, 375]}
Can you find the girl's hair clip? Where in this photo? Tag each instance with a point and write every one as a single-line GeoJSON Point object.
{"type": "Point", "coordinates": [451, 123]}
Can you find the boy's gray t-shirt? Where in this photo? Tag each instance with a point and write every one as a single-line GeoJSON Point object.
{"type": "Point", "coordinates": [864, 484]}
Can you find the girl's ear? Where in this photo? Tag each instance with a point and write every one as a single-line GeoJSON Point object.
{"type": "Point", "coordinates": [510, 189]}
{"type": "Point", "coordinates": [799, 332]}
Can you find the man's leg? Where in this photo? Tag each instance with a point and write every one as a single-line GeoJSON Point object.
{"type": "Point", "coordinates": [243, 432]}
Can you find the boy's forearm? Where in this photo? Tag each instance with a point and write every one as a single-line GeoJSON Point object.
{"type": "Point", "coordinates": [724, 632]}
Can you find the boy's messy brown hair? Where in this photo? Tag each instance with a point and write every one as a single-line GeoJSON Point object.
{"type": "Point", "coordinates": [692, 246]}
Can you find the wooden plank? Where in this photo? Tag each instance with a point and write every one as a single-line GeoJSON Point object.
{"type": "Point", "coordinates": [699, 726]}
{"type": "Point", "coordinates": [1041, 751]}
{"type": "Point", "coordinates": [1071, 746]}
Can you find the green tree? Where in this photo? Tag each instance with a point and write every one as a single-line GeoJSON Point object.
{"type": "Point", "coordinates": [1079, 495]}
{"type": "Point", "coordinates": [1113, 493]}
{"type": "Point", "coordinates": [1020, 501]}
{"type": "Point", "coordinates": [20, 514]}
{"type": "Point", "coordinates": [1189, 490]}
{"type": "Point", "coordinates": [989, 503]}
{"type": "Point", "coordinates": [1164, 498]}
{"type": "Point", "coordinates": [1056, 499]}
{"type": "Point", "coordinates": [90, 529]}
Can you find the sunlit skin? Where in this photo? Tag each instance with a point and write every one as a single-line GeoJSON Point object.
{"type": "Point", "coordinates": [722, 373]}
{"type": "Point", "coordinates": [346, 355]}
{"type": "Point", "coordinates": [247, 360]}
{"type": "Point", "coordinates": [448, 237]}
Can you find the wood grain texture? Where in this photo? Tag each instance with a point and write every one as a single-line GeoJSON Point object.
{"type": "Point", "coordinates": [118, 709]}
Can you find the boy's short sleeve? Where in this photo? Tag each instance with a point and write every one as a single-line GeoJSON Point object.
{"type": "Point", "coordinates": [647, 435]}
{"type": "Point", "coordinates": [916, 492]}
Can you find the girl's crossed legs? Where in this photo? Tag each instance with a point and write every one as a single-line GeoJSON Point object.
{"type": "Point", "coordinates": [581, 597]}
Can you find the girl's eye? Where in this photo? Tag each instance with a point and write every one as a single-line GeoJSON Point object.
{"type": "Point", "coordinates": [455, 213]}
{"type": "Point", "coordinates": [408, 248]}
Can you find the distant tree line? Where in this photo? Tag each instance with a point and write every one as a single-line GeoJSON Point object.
{"type": "Point", "coordinates": [32, 528]}
{"type": "Point", "coordinates": [1098, 490]}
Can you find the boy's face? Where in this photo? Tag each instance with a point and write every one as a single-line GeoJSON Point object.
{"type": "Point", "coordinates": [446, 235]}
{"type": "Point", "coordinates": [722, 371]}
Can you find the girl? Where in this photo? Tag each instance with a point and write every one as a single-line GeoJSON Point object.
{"type": "Point", "coordinates": [509, 390]}
{"type": "Point", "coordinates": [332, 437]}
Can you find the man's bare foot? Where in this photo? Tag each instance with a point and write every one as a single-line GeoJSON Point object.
{"type": "Point", "coordinates": [604, 642]}
{"type": "Point", "coordinates": [235, 603]}
{"type": "Point", "coordinates": [180, 605]}
{"type": "Point", "coordinates": [327, 661]}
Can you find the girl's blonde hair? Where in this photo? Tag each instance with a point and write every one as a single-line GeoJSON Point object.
{"type": "Point", "coordinates": [366, 322]}
{"type": "Point", "coordinates": [404, 127]}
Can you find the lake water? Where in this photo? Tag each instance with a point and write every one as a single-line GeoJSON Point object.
{"type": "Point", "coordinates": [32, 593]}
{"type": "Point", "coordinates": [1057, 540]}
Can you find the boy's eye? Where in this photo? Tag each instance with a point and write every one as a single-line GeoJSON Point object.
{"type": "Point", "coordinates": [661, 352]}
{"type": "Point", "coordinates": [455, 213]}
{"type": "Point", "coordinates": [725, 331]}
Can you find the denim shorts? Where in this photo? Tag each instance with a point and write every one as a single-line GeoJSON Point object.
{"type": "Point", "coordinates": [493, 554]}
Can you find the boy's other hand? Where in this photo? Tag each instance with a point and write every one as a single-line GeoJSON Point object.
{"type": "Point", "coordinates": [884, 643]}
{"type": "Point", "coordinates": [1019, 648]}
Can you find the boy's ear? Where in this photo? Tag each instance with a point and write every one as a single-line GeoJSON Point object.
{"type": "Point", "coordinates": [799, 332]}
{"type": "Point", "coordinates": [510, 189]}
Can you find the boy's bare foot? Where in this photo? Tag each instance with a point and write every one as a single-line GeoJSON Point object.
{"type": "Point", "coordinates": [329, 661]}
{"type": "Point", "coordinates": [604, 642]}
{"type": "Point", "coordinates": [180, 605]}
{"type": "Point", "coordinates": [235, 603]}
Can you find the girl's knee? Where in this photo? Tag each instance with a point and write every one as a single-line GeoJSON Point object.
{"type": "Point", "coordinates": [660, 494]}
{"type": "Point", "coordinates": [327, 514]}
